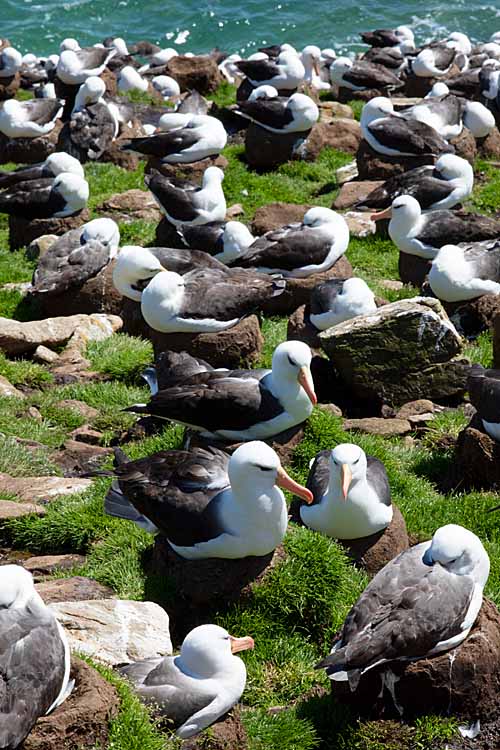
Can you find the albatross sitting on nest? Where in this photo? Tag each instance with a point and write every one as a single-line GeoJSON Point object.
{"type": "Point", "coordinates": [463, 273]}
{"type": "Point", "coordinates": [189, 204]}
{"type": "Point", "coordinates": [29, 119]}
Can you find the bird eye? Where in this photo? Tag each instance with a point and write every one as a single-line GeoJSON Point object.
{"type": "Point", "coordinates": [265, 468]}
{"type": "Point", "coordinates": [355, 462]}
{"type": "Point", "coordinates": [294, 364]}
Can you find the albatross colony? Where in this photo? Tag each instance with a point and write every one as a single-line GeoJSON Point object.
{"type": "Point", "coordinates": [203, 463]}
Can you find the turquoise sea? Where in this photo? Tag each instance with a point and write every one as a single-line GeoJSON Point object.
{"type": "Point", "coordinates": [200, 25]}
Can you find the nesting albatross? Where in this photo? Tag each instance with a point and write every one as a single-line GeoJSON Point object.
{"type": "Point", "coordinates": [336, 300]}
{"type": "Point", "coordinates": [460, 273]}
{"type": "Point", "coordinates": [189, 204]}
{"type": "Point", "coordinates": [29, 119]}
{"type": "Point", "coordinates": [45, 198]}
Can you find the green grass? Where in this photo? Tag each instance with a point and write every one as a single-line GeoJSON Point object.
{"type": "Point", "coordinates": [486, 194]}
{"type": "Point", "coordinates": [224, 96]}
{"type": "Point", "coordinates": [24, 371]}
{"type": "Point", "coordinates": [121, 357]}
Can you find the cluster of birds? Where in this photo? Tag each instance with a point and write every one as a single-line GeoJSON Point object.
{"type": "Point", "coordinates": [206, 501]}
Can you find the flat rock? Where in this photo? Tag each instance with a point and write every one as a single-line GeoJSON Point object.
{"type": "Point", "coordinates": [360, 224]}
{"type": "Point", "coordinates": [375, 166]}
{"type": "Point", "coordinates": [404, 351]}
{"type": "Point", "coordinates": [347, 173]}
{"type": "Point", "coordinates": [265, 150]}
{"type": "Point", "coordinates": [45, 355]}
{"type": "Point", "coordinates": [341, 133]}
{"type": "Point", "coordinates": [477, 457]}
{"type": "Point", "coordinates": [378, 426]}
{"type": "Point", "coordinates": [115, 631]}
{"type": "Point", "coordinates": [328, 110]}
{"type": "Point", "coordinates": [83, 409]}
{"type": "Point", "coordinates": [10, 509]}
{"type": "Point", "coordinates": [77, 459]}
{"type": "Point", "coordinates": [42, 489]}
{"type": "Point", "coordinates": [85, 434]}
{"type": "Point", "coordinates": [392, 284]}
{"type": "Point", "coordinates": [44, 565]}
{"type": "Point", "coordinates": [200, 73]}
{"type": "Point", "coordinates": [23, 231]}
{"type": "Point", "coordinates": [464, 682]}
{"type": "Point", "coordinates": [354, 191]}
{"type": "Point", "coordinates": [132, 205]}
{"type": "Point", "coordinates": [74, 589]}
{"type": "Point", "coordinates": [83, 720]}
{"type": "Point", "coordinates": [7, 390]}
{"type": "Point", "coordinates": [20, 338]}
{"type": "Point", "coordinates": [417, 408]}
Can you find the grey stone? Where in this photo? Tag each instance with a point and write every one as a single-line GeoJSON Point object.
{"type": "Point", "coordinates": [10, 509]}
{"type": "Point", "coordinates": [347, 173]}
{"type": "Point", "coordinates": [354, 191]}
{"type": "Point", "coordinates": [42, 489]}
{"type": "Point", "coordinates": [74, 589]}
{"type": "Point", "coordinates": [44, 565]}
{"type": "Point", "coordinates": [83, 409]}
{"type": "Point", "coordinates": [8, 390]}
{"type": "Point", "coordinates": [45, 355]}
{"type": "Point", "coordinates": [378, 426]}
{"type": "Point", "coordinates": [360, 224]}
{"type": "Point", "coordinates": [20, 338]}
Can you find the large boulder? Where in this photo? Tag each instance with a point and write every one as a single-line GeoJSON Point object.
{"type": "Point", "coordinates": [465, 145]}
{"type": "Point", "coordinates": [265, 150]}
{"type": "Point", "coordinates": [464, 682]}
{"type": "Point", "coordinates": [115, 631]}
{"type": "Point", "coordinates": [375, 166]}
{"type": "Point", "coordinates": [23, 231]}
{"type": "Point", "coordinates": [341, 133]}
{"type": "Point", "coordinates": [477, 457]}
{"type": "Point", "coordinates": [83, 720]}
{"type": "Point", "coordinates": [199, 73]}
{"type": "Point", "coordinates": [405, 351]}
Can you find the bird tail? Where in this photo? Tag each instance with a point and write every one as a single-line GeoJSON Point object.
{"type": "Point", "coordinates": [151, 377]}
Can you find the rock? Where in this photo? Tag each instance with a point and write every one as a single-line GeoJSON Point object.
{"type": "Point", "coordinates": [192, 172]}
{"type": "Point", "coordinates": [404, 351]}
{"type": "Point", "coordinates": [347, 173]}
{"type": "Point", "coordinates": [228, 733]}
{"type": "Point", "coordinates": [234, 211]}
{"type": "Point", "coordinates": [114, 154]}
{"type": "Point", "coordinates": [44, 355]}
{"type": "Point", "coordinates": [33, 413]}
{"type": "Point", "coordinates": [391, 284]}
{"type": "Point", "coordinates": [10, 509]}
{"type": "Point", "coordinates": [374, 551]}
{"type": "Point", "coordinates": [199, 587]}
{"type": "Point", "coordinates": [360, 224]}
{"type": "Point", "coordinates": [496, 342]}
{"type": "Point", "coordinates": [354, 191]}
{"type": "Point", "coordinates": [20, 338]}
{"type": "Point", "coordinates": [342, 134]}
{"type": "Point", "coordinates": [347, 95]}
{"type": "Point", "coordinates": [332, 409]}
{"type": "Point", "coordinates": [490, 146]}
{"type": "Point", "coordinates": [413, 269]}
{"type": "Point", "coordinates": [40, 245]}
{"type": "Point", "coordinates": [29, 150]}
{"type": "Point", "coordinates": [78, 459]}
{"type": "Point", "coordinates": [9, 86]}
{"type": "Point", "coordinates": [265, 150]}
{"type": "Point", "coordinates": [465, 145]}
{"type": "Point", "coordinates": [115, 631]}
{"type": "Point", "coordinates": [328, 110]}
{"type": "Point", "coordinates": [378, 426]}
{"type": "Point", "coordinates": [7, 390]}
{"type": "Point", "coordinates": [477, 457]}
{"type": "Point", "coordinates": [375, 166]}
{"type": "Point", "coordinates": [464, 682]}
{"type": "Point", "coordinates": [474, 316]}
{"type": "Point", "coordinates": [132, 205]}
{"type": "Point", "coordinates": [83, 720]}
{"type": "Point", "coordinates": [42, 489]}
{"type": "Point", "coordinates": [74, 589]}
{"type": "Point", "coordinates": [23, 231]}
{"type": "Point", "coordinates": [96, 295]}
{"type": "Point", "coordinates": [80, 407]}
{"type": "Point", "coordinates": [300, 328]}
{"type": "Point", "coordinates": [45, 565]}
{"type": "Point", "coordinates": [199, 73]}
{"type": "Point", "coordinates": [421, 406]}
{"type": "Point", "coordinates": [86, 434]}
{"type": "Point", "coordinates": [275, 215]}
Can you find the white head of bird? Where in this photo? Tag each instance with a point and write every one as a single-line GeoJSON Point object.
{"type": "Point", "coordinates": [163, 56]}
{"type": "Point", "coordinates": [130, 80]}
{"type": "Point", "coordinates": [478, 119]}
{"type": "Point", "coordinates": [339, 66]}
{"type": "Point", "coordinates": [358, 290]}
{"type": "Point", "coordinates": [291, 371]}
{"type": "Point", "coordinates": [12, 60]}
{"type": "Point", "coordinates": [460, 42]}
{"type": "Point", "coordinates": [460, 552]}
{"type": "Point", "coordinates": [16, 587]}
{"type": "Point", "coordinates": [439, 89]}
{"type": "Point", "coordinates": [236, 238]}
{"type": "Point", "coordinates": [69, 43]}
{"type": "Point", "coordinates": [255, 469]}
{"type": "Point", "coordinates": [104, 231]}
{"type": "Point", "coordinates": [347, 466]}
{"type": "Point", "coordinates": [452, 167]}
{"type": "Point", "coordinates": [120, 46]}
{"type": "Point", "coordinates": [212, 176]}
{"type": "Point", "coordinates": [492, 49]}
{"type": "Point", "coordinates": [73, 188]}
{"type": "Point", "coordinates": [311, 56]}
{"type": "Point", "coordinates": [89, 92]}
{"type": "Point", "coordinates": [174, 121]}
{"type": "Point", "coordinates": [209, 650]}
{"type": "Point", "coordinates": [263, 92]}
{"type": "Point", "coordinates": [166, 85]}
{"type": "Point", "coordinates": [304, 108]}
{"type": "Point", "coordinates": [376, 108]}
{"type": "Point", "coordinates": [404, 214]}
{"type": "Point", "coordinates": [163, 295]}
{"type": "Point", "coordinates": [133, 265]}
{"type": "Point", "coordinates": [62, 162]}
{"type": "Point", "coordinates": [404, 32]}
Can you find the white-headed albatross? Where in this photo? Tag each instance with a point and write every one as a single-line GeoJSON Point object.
{"type": "Point", "coordinates": [201, 684]}
{"type": "Point", "coordinates": [76, 65]}
{"type": "Point", "coordinates": [189, 204]}
{"type": "Point", "coordinates": [352, 497]}
{"type": "Point", "coordinates": [463, 273]}
{"type": "Point", "coordinates": [29, 119]}
{"type": "Point", "coordinates": [242, 404]}
{"type": "Point", "coordinates": [287, 72]}
{"type": "Point", "coordinates": [205, 502]}
{"type": "Point", "coordinates": [45, 198]}
{"type": "Point", "coordinates": [422, 603]}
{"type": "Point", "coordinates": [225, 240]}
{"type": "Point", "coordinates": [53, 165]}
{"type": "Point", "coordinates": [10, 62]}
{"type": "Point", "coordinates": [299, 250]}
{"type": "Point", "coordinates": [336, 300]}
{"type": "Point", "coordinates": [193, 138]}
{"type": "Point", "coordinates": [278, 114]}
{"type": "Point", "coordinates": [34, 657]}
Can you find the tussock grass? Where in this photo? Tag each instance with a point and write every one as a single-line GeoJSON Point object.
{"type": "Point", "coordinates": [121, 357]}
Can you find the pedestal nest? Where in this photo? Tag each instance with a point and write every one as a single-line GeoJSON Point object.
{"type": "Point", "coordinates": [375, 166]}
{"type": "Point", "coordinates": [477, 456]}
{"type": "Point", "coordinates": [265, 150]}
{"type": "Point", "coordinates": [413, 269]}
{"type": "Point", "coordinates": [192, 172]}
{"type": "Point", "coordinates": [464, 682]}
{"type": "Point", "coordinates": [83, 719]}
{"type": "Point", "coordinates": [228, 733]}
{"type": "Point", "coordinates": [23, 231]}
{"type": "Point", "coordinates": [97, 295]}
{"type": "Point", "coordinates": [29, 150]}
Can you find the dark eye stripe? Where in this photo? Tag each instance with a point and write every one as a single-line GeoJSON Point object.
{"type": "Point", "coordinates": [294, 364]}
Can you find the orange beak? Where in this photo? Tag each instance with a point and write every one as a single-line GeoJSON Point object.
{"type": "Point", "coordinates": [316, 67]}
{"type": "Point", "coordinates": [346, 475]}
{"type": "Point", "coordinates": [378, 215]}
{"type": "Point", "coordinates": [285, 481]}
{"type": "Point", "coordinates": [306, 381]}
{"type": "Point", "coordinates": [241, 644]}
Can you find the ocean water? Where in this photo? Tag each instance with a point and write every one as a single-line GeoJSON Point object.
{"type": "Point", "coordinates": [200, 25]}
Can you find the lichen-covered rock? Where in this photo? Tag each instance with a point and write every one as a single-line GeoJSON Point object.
{"type": "Point", "coordinates": [477, 457]}
{"type": "Point", "coordinates": [23, 231]}
{"type": "Point", "coordinates": [404, 351]}
{"type": "Point", "coordinates": [341, 133]}
{"type": "Point", "coordinates": [375, 166]}
{"type": "Point", "coordinates": [265, 150]}
{"type": "Point", "coordinates": [464, 682]}
{"type": "Point", "coordinates": [116, 631]}
{"type": "Point", "coordinates": [199, 73]}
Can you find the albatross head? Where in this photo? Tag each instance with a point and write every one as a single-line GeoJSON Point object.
{"type": "Point", "coordinates": [209, 649]}
{"type": "Point", "coordinates": [347, 465]}
{"type": "Point", "coordinates": [104, 231]}
{"type": "Point", "coordinates": [90, 92]}
{"type": "Point", "coordinates": [11, 59]}
{"type": "Point", "coordinates": [317, 216]}
{"type": "Point", "coordinates": [263, 92]}
{"type": "Point", "coordinates": [452, 167]}
{"type": "Point", "coordinates": [405, 211]}
{"type": "Point", "coordinates": [74, 189]}
{"type": "Point", "coordinates": [478, 119]}
{"type": "Point", "coordinates": [338, 67]}
{"type": "Point", "coordinates": [304, 105]}
{"type": "Point", "coordinates": [16, 587]}
{"type": "Point", "coordinates": [291, 364]}
{"type": "Point", "coordinates": [212, 175]}
{"type": "Point", "coordinates": [460, 552]}
{"type": "Point", "coordinates": [257, 466]}
{"type": "Point", "coordinates": [63, 162]}
{"type": "Point", "coordinates": [134, 265]}
{"type": "Point", "coordinates": [376, 108]}
{"type": "Point", "coordinates": [130, 80]}
{"type": "Point", "coordinates": [237, 236]}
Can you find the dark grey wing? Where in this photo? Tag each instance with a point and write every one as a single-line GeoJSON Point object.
{"type": "Point", "coordinates": [182, 260]}
{"type": "Point", "coordinates": [32, 199]}
{"type": "Point", "coordinates": [465, 84]}
{"type": "Point", "coordinates": [258, 70]}
{"type": "Point", "coordinates": [173, 368]}
{"type": "Point", "coordinates": [484, 392]}
{"type": "Point", "coordinates": [485, 258]}
{"type": "Point", "coordinates": [449, 108]}
{"type": "Point", "coordinates": [376, 476]}
{"type": "Point", "coordinates": [370, 75]}
{"type": "Point", "coordinates": [206, 237]}
{"type": "Point", "coordinates": [323, 295]}
{"type": "Point", "coordinates": [194, 103]}
{"type": "Point", "coordinates": [42, 111]}
{"type": "Point", "coordinates": [163, 144]}
{"type": "Point", "coordinates": [319, 476]}
{"type": "Point", "coordinates": [405, 611]}
{"type": "Point", "coordinates": [419, 183]}
{"type": "Point", "coordinates": [389, 57]}
{"type": "Point", "coordinates": [177, 202]}
{"type": "Point", "coordinates": [289, 250]}
{"type": "Point", "coordinates": [449, 228]}
{"type": "Point", "coordinates": [380, 38]}
{"type": "Point", "coordinates": [32, 664]}
{"type": "Point", "coordinates": [271, 112]}
{"type": "Point", "coordinates": [443, 56]}
{"type": "Point", "coordinates": [22, 174]}
{"type": "Point", "coordinates": [91, 58]}
{"type": "Point", "coordinates": [409, 136]}
{"type": "Point", "coordinates": [68, 263]}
